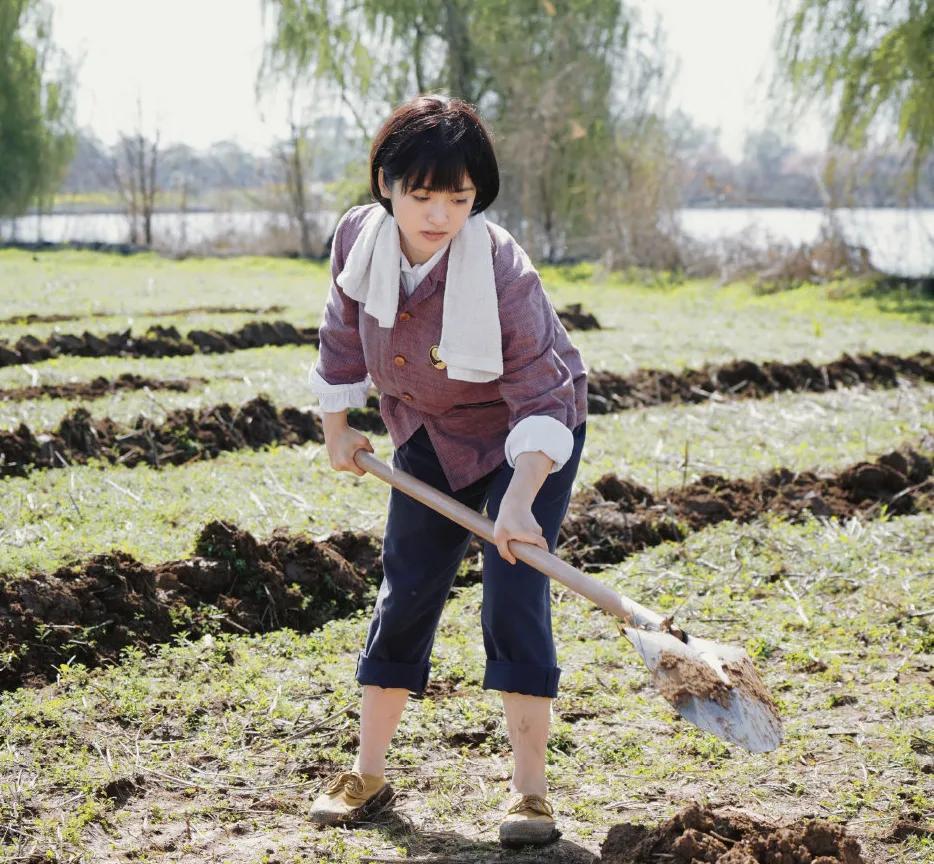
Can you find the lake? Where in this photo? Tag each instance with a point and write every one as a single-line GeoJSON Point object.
{"type": "Point", "coordinates": [899, 241]}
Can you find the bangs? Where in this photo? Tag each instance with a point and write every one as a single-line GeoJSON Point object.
{"type": "Point", "coordinates": [436, 169]}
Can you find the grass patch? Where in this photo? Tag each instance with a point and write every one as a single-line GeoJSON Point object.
{"type": "Point", "coordinates": [238, 731]}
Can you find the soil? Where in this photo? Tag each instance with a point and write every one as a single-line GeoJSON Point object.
{"type": "Point", "coordinates": [618, 517]}
{"type": "Point", "coordinates": [721, 836]}
{"type": "Point", "coordinates": [609, 392]}
{"type": "Point", "coordinates": [165, 313]}
{"type": "Point", "coordinates": [157, 341]}
{"type": "Point", "coordinates": [573, 317]}
{"type": "Point", "coordinates": [98, 387]}
{"type": "Point", "coordinates": [184, 436]}
{"type": "Point", "coordinates": [90, 611]}
{"type": "Point", "coordinates": [684, 679]}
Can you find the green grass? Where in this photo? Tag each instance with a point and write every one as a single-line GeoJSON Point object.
{"type": "Point", "coordinates": [221, 742]}
{"type": "Point", "coordinates": [156, 514]}
{"type": "Point", "coordinates": [211, 726]}
{"type": "Point", "coordinates": [655, 325]}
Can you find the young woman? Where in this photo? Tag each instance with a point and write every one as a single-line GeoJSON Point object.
{"type": "Point", "coordinates": [485, 398]}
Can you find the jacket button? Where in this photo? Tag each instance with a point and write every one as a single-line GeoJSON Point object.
{"type": "Point", "coordinates": [404, 316]}
{"type": "Point", "coordinates": [399, 360]}
{"type": "Point", "coordinates": [408, 397]}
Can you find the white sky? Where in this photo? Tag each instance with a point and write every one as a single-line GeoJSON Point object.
{"type": "Point", "coordinates": [193, 65]}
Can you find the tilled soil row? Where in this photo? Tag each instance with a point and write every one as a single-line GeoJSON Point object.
{"type": "Point", "coordinates": [156, 342]}
{"type": "Point", "coordinates": [163, 313]}
{"type": "Point", "coordinates": [184, 436]}
{"type": "Point", "coordinates": [700, 834]}
{"type": "Point", "coordinates": [617, 517]}
{"type": "Point", "coordinates": [91, 610]}
{"type": "Point", "coordinates": [99, 387]}
{"type": "Point", "coordinates": [79, 438]}
{"type": "Point", "coordinates": [168, 342]}
{"type": "Point", "coordinates": [739, 379]}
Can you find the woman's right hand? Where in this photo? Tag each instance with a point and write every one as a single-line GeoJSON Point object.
{"type": "Point", "coordinates": [342, 442]}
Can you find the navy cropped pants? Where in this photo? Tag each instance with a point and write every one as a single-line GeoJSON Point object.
{"type": "Point", "coordinates": [421, 553]}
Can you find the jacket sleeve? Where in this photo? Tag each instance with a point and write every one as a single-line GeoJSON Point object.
{"type": "Point", "coordinates": [340, 379]}
{"type": "Point", "coordinates": [535, 384]}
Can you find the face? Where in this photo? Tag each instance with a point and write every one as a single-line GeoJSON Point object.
{"type": "Point", "coordinates": [427, 219]}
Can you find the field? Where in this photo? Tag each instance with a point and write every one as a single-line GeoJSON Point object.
{"type": "Point", "coordinates": [184, 587]}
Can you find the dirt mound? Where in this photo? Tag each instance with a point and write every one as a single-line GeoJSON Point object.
{"type": "Point", "coordinates": [156, 342]}
{"type": "Point", "coordinates": [98, 387]}
{"type": "Point", "coordinates": [609, 392]}
{"type": "Point", "coordinates": [91, 610]}
{"type": "Point", "coordinates": [368, 419]}
{"type": "Point", "coordinates": [698, 834]}
{"type": "Point", "coordinates": [184, 435]}
{"type": "Point", "coordinates": [574, 318]}
{"type": "Point", "coordinates": [163, 313]}
{"type": "Point", "coordinates": [617, 517]}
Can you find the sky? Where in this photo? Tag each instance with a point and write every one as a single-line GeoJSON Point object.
{"type": "Point", "coordinates": [192, 65]}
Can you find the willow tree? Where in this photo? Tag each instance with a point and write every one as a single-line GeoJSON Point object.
{"type": "Point", "coordinates": [553, 80]}
{"type": "Point", "coordinates": [36, 132]}
{"type": "Point", "coordinates": [871, 61]}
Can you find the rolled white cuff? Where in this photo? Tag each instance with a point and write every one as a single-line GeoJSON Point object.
{"type": "Point", "coordinates": [540, 432]}
{"type": "Point", "coordinates": [339, 397]}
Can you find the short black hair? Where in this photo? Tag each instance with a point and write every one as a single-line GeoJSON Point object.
{"type": "Point", "coordinates": [438, 137]}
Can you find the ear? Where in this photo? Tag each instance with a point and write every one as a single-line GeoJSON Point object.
{"type": "Point", "coordinates": [383, 188]}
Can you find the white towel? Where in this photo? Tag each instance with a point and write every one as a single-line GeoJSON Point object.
{"type": "Point", "coordinates": [471, 342]}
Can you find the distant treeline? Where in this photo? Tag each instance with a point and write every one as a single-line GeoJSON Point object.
{"type": "Point", "coordinates": [771, 172]}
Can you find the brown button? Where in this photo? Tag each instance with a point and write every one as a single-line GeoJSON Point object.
{"type": "Point", "coordinates": [404, 316]}
{"type": "Point", "coordinates": [408, 397]}
{"type": "Point", "coordinates": [399, 360]}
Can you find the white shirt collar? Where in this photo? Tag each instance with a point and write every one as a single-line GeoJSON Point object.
{"type": "Point", "coordinates": [417, 272]}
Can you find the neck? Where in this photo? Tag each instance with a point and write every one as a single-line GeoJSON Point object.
{"type": "Point", "coordinates": [414, 258]}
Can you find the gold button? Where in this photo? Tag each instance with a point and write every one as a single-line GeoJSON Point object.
{"type": "Point", "coordinates": [436, 360]}
{"type": "Point", "coordinates": [408, 397]}
{"type": "Point", "coordinates": [404, 316]}
{"type": "Point", "coordinates": [399, 360]}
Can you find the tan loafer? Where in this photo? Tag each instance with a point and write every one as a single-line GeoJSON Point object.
{"type": "Point", "coordinates": [349, 797]}
{"type": "Point", "coordinates": [529, 822]}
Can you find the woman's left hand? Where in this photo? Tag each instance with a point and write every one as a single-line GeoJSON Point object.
{"type": "Point", "coordinates": [516, 522]}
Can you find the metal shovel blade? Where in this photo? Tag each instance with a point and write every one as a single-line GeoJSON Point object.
{"type": "Point", "coordinates": [715, 687]}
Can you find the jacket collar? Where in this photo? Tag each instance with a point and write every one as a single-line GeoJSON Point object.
{"type": "Point", "coordinates": [436, 276]}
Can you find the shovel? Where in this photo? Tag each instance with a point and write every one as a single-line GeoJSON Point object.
{"type": "Point", "coordinates": [715, 687]}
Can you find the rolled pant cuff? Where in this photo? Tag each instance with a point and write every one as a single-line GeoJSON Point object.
{"type": "Point", "coordinates": [384, 673]}
{"type": "Point", "coordinates": [521, 678]}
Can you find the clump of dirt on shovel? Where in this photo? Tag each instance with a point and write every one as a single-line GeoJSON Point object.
{"type": "Point", "coordinates": [698, 834]}
{"type": "Point", "coordinates": [680, 679]}
{"type": "Point", "coordinates": [91, 610]}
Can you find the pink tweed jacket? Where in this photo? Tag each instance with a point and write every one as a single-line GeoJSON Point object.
{"type": "Point", "coordinates": [467, 422]}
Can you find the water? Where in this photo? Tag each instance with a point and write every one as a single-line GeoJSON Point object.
{"type": "Point", "coordinates": [899, 241]}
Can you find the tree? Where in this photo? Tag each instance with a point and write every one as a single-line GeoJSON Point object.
{"type": "Point", "coordinates": [871, 60]}
{"type": "Point", "coordinates": [36, 134]}
{"type": "Point", "coordinates": [561, 84]}
{"type": "Point", "coordinates": [134, 166]}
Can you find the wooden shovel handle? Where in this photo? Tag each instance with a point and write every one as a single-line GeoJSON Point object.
{"type": "Point", "coordinates": [603, 596]}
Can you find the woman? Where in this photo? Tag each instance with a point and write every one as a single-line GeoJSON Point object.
{"type": "Point", "coordinates": [485, 398]}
